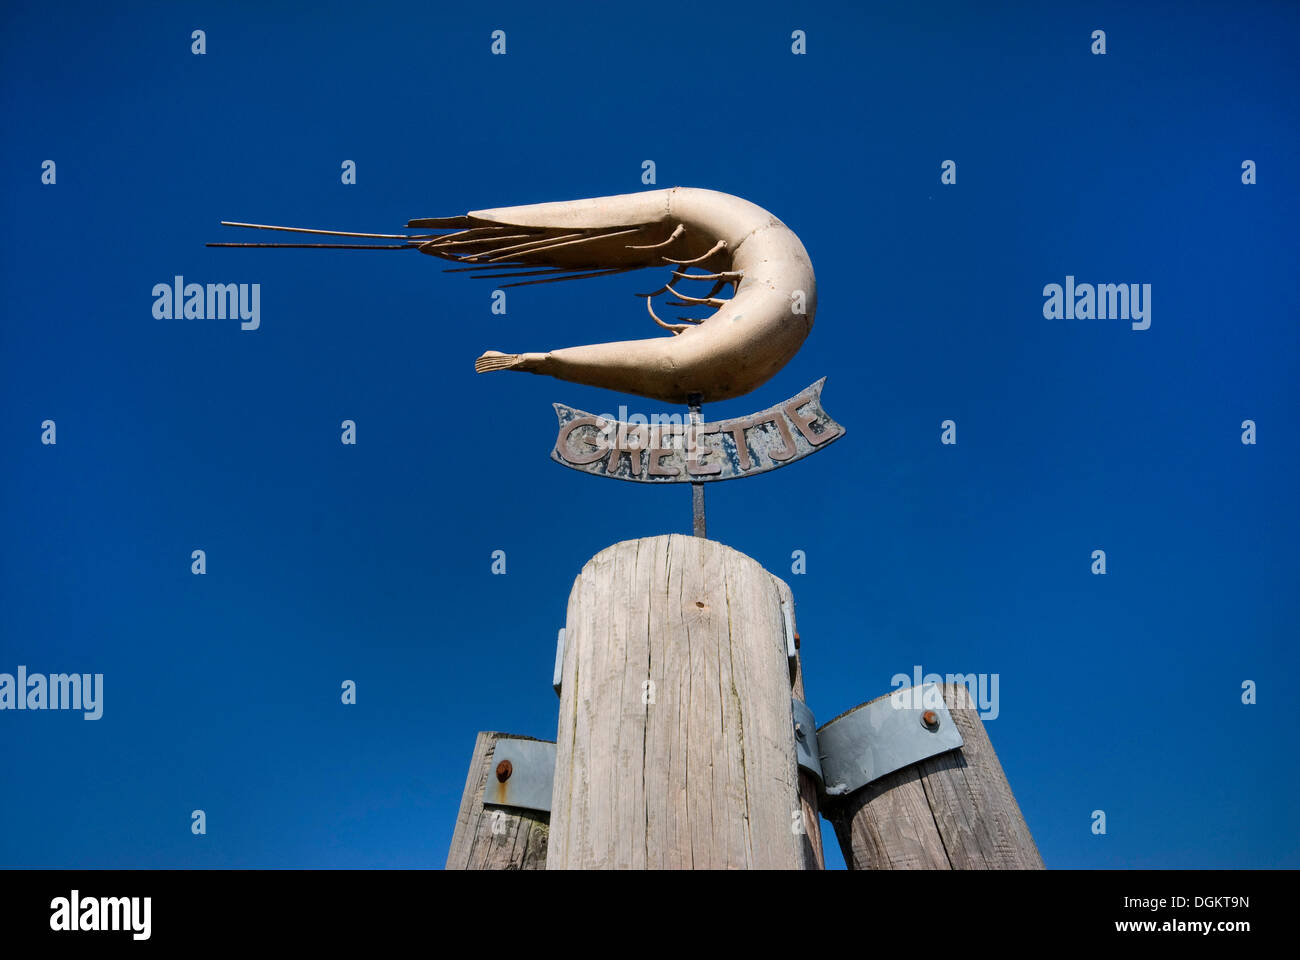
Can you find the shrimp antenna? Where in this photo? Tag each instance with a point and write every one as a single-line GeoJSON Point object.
{"type": "Point", "coordinates": [409, 238]}
{"type": "Point", "coordinates": [322, 246]}
{"type": "Point", "coordinates": [332, 233]}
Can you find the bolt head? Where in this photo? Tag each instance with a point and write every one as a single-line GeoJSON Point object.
{"type": "Point", "coordinates": [504, 769]}
{"type": "Point", "coordinates": [930, 720]}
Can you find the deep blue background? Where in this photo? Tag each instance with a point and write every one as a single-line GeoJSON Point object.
{"type": "Point", "coordinates": [372, 562]}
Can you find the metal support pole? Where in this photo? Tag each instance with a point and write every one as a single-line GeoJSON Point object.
{"type": "Point", "coordinates": [697, 486]}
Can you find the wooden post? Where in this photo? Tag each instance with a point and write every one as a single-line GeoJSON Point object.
{"type": "Point", "coordinates": [954, 811]}
{"type": "Point", "coordinates": [675, 745]}
{"type": "Point", "coordinates": [494, 838]}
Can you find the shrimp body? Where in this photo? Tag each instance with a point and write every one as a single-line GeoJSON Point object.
{"type": "Point", "coordinates": [739, 347]}
{"type": "Point", "coordinates": [735, 349]}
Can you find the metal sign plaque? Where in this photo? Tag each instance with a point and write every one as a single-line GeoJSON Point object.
{"type": "Point", "coordinates": [671, 450]}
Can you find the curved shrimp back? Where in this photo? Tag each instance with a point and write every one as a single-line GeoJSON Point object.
{"type": "Point", "coordinates": [735, 349]}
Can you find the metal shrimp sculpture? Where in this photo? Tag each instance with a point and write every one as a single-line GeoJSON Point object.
{"type": "Point", "coordinates": [737, 348]}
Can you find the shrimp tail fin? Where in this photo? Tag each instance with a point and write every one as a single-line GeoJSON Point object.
{"type": "Point", "coordinates": [494, 360]}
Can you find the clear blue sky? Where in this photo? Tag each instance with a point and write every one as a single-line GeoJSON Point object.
{"type": "Point", "coordinates": [372, 562]}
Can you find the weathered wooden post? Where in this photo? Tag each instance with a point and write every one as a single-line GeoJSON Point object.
{"type": "Point", "coordinates": [496, 837]}
{"type": "Point", "coordinates": [952, 810]}
{"type": "Point", "coordinates": [675, 744]}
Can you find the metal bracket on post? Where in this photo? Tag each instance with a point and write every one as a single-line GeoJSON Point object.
{"type": "Point", "coordinates": [805, 739]}
{"type": "Point", "coordinates": [523, 774]}
{"type": "Point", "coordinates": [791, 645]}
{"type": "Point", "coordinates": [558, 674]}
{"type": "Point", "coordinates": [887, 734]}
